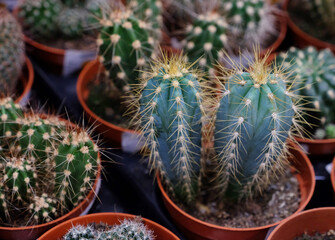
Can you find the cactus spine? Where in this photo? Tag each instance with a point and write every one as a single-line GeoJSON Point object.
{"type": "Point", "coordinates": [124, 47]}
{"type": "Point", "coordinates": [314, 72]}
{"type": "Point", "coordinates": [11, 51]}
{"type": "Point", "coordinates": [80, 232]}
{"type": "Point", "coordinates": [43, 208]}
{"type": "Point", "coordinates": [256, 114]}
{"type": "Point", "coordinates": [10, 114]}
{"type": "Point", "coordinates": [170, 110]}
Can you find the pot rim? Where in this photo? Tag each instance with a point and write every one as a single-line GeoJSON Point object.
{"type": "Point", "coordinates": [307, 212]}
{"type": "Point", "coordinates": [80, 89]}
{"type": "Point", "coordinates": [312, 40]}
{"type": "Point", "coordinates": [30, 80]}
{"type": "Point", "coordinates": [315, 141]}
{"type": "Point", "coordinates": [210, 225]}
{"type": "Point", "coordinates": [77, 208]}
{"type": "Point", "coordinates": [96, 216]}
{"type": "Point", "coordinates": [332, 174]}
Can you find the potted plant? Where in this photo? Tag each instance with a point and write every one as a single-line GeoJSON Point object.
{"type": "Point", "coordinates": [311, 22]}
{"type": "Point", "coordinates": [16, 71]}
{"type": "Point", "coordinates": [50, 169]}
{"type": "Point", "coordinates": [311, 224]}
{"type": "Point", "coordinates": [313, 71]}
{"type": "Point", "coordinates": [113, 225]}
{"type": "Point", "coordinates": [245, 125]}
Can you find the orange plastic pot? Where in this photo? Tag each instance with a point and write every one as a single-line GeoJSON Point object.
{"type": "Point", "coordinates": [108, 130]}
{"type": "Point", "coordinates": [26, 81]}
{"type": "Point", "coordinates": [196, 229]}
{"type": "Point", "coordinates": [59, 231]}
{"type": "Point", "coordinates": [33, 232]}
{"type": "Point", "coordinates": [315, 220]}
{"type": "Point", "coordinates": [301, 38]}
{"type": "Point", "coordinates": [318, 146]}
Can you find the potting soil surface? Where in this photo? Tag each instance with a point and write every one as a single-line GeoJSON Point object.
{"type": "Point", "coordinates": [330, 235]}
{"type": "Point", "coordinates": [280, 200]}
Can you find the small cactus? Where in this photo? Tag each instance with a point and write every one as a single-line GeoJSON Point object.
{"type": "Point", "coordinates": [43, 209]}
{"type": "Point", "coordinates": [205, 38]}
{"type": "Point", "coordinates": [40, 17]}
{"type": "Point", "coordinates": [257, 112]}
{"type": "Point", "coordinates": [11, 51]}
{"type": "Point", "coordinates": [72, 22]}
{"type": "Point", "coordinates": [10, 115]}
{"type": "Point", "coordinates": [80, 232]}
{"type": "Point", "coordinates": [314, 72]}
{"type": "Point", "coordinates": [323, 11]}
{"type": "Point", "coordinates": [170, 109]}
{"type": "Point", "coordinates": [74, 3]}
{"type": "Point", "coordinates": [125, 47]}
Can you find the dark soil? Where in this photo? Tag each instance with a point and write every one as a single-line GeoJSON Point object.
{"type": "Point", "coordinates": [330, 235]}
{"type": "Point", "coordinates": [279, 201]}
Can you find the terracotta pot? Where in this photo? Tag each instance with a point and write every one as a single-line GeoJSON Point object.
{"type": "Point", "coordinates": [332, 176]}
{"type": "Point", "coordinates": [196, 229]}
{"type": "Point", "coordinates": [318, 146]}
{"type": "Point", "coordinates": [26, 81]}
{"type": "Point", "coordinates": [59, 231]}
{"type": "Point", "coordinates": [302, 39]}
{"type": "Point", "coordinates": [33, 232]}
{"type": "Point", "coordinates": [107, 129]}
{"type": "Point", "coordinates": [311, 221]}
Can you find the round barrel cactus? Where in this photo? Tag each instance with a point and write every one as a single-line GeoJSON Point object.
{"type": "Point", "coordinates": [205, 38]}
{"type": "Point", "coordinates": [72, 22]}
{"type": "Point", "coordinates": [256, 114]}
{"type": "Point", "coordinates": [314, 72]}
{"type": "Point", "coordinates": [125, 47]}
{"type": "Point", "coordinates": [10, 116]}
{"type": "Point", "coordinates": [170, 111]}
{"type": "Point", "coordinates": [11, 51]}
{"type": "Point", "coordinates": [40, 17]}
{"type": "Point", "coordinates": [43, 209]}
{"type": "Point", "coordinates": [80, 232]}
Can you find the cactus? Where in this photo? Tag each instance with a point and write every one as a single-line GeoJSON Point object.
{"type": "Point", "coordinates": [323, 11]}
{"type": "Point", "coordinates": [80, 232]}
{"type": "Point", "coordinates": [72, 22]}
{"type": "Point", "coordinates": [314, 72]}
{"type": "Point", "coordinates": [43, 209]}
{"type": "Point", "coordinates": [11, 51]}
{"type": "Point", "coordinates": [74, 3]}
{"type": "Point", "coordinates": [170, 110]}
{"type": "Point", "coordinates": [256, 114]}
{"type": "Point", "coordinates": [10, 114]}
{"type": "Point", "coordinates": [76, 167]}
{"type": "Point", "coordinates": [124, 47]}
{"type": "Point", "coordinates": [98, 10]}
{"type": "Point", "coordinates": [40, 17]}
{"type": "Point", "coordinates": [205, 38]}
{"type": "Point", "coordinates": [251, 20]}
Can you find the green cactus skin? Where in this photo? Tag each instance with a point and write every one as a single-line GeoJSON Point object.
{"type": "Point", "coordinates": [19, 178]}
{"type": "Point", "coordinates": [3, 205]}
{"type": "Point", "coordinates": [170, 109]}
{"type": "Point", "coordinates": [11, 51]}
{"type": "Point", "coordinates": [80, 232]}
{"type": "Point", "coordinates": [72, 22]}
{"type": "Point", "coordinates": [124, 48]}
{"type": "Point", "coordinates": [43, 209]}
{"type": "Point", "coordinates": [76, 167]}
{"type": "Point", "coordinates": [314, 72]}
{"type": "Point", "coordinates": [74, 3]}
{"type": "Point", "coordinates": [255, 117]}
{"type": "Point", "coordinates": [330, 131]}
{"type": "Point", "coordinates": [40, 17]}
{"type": "Point", "coordinates": [10, 114]}
{"type": "Point", "coordinates": [205, 38]}
{"type": "Point", "coordinates": [131, 229]}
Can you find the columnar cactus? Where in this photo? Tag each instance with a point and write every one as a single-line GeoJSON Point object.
{"type": "Point", "coordinates": [314, 72]}
{"type": "Point", "coordinates": [76, 167]}
{"type": "Point", "coordinates": [170, 110]}
{"type": "Point", "coordinates": [43, 209]}
{"type": "Point", "coordinates": [124, 47]}
{"type": "Point", "coordinates": [256, 114]}
{"type": "Point", "coordinates": [73, 21]}
{"type": "Point", "coordinates": [205, 38]}
{"type": "Point", "coordinates": [40, 17]}
{"type": "Point", "coordinates": [251, 20]}
{"type": "Point", "coordinates": [11, 51]}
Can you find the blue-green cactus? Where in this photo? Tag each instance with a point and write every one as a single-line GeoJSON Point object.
{"type": "Point", "coordinates": [170, 109]}
{"type": "Point", "coordinates": [81, 232]}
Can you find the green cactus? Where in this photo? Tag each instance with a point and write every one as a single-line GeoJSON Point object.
{"type": "Point", "coordinates": [98, 10]}
{"type": "Point", "coordinates": [43, 209]}
{"type": "Point", "coordinates": [74, 3]}
{"type": "Point", "coordinates": [323, 11]}
{"type": "Point", "coordinates": [80, 232]}
{"type": "Point", "coordinates": [205, 38]}
{"type": "Point", "coordinates": [256, 114]}
{"type": "Point", "coordinates": [124, 47]}
{"type": "Point", "coordinates": [76, 167]}
{"type": "Point", "coordinates": [10, 115]}
{"type": "Point", "coordinates": [72, 22]}
{"type": "Point", "coordinates": [3, 205]}
{"type": "Point", "coordinates": [11, 51]}
{"type": "Point", "coordinates": [40, 17]}
{"type": "Point", "coordinates": [170, 111]}
{"type": "Point", "coordinates": [314, 72]}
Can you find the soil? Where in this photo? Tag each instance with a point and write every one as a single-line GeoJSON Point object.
{"type": "Point", "coordinates": [330, 235]}
{"type": "Point", "coordinates": [280, 200]}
